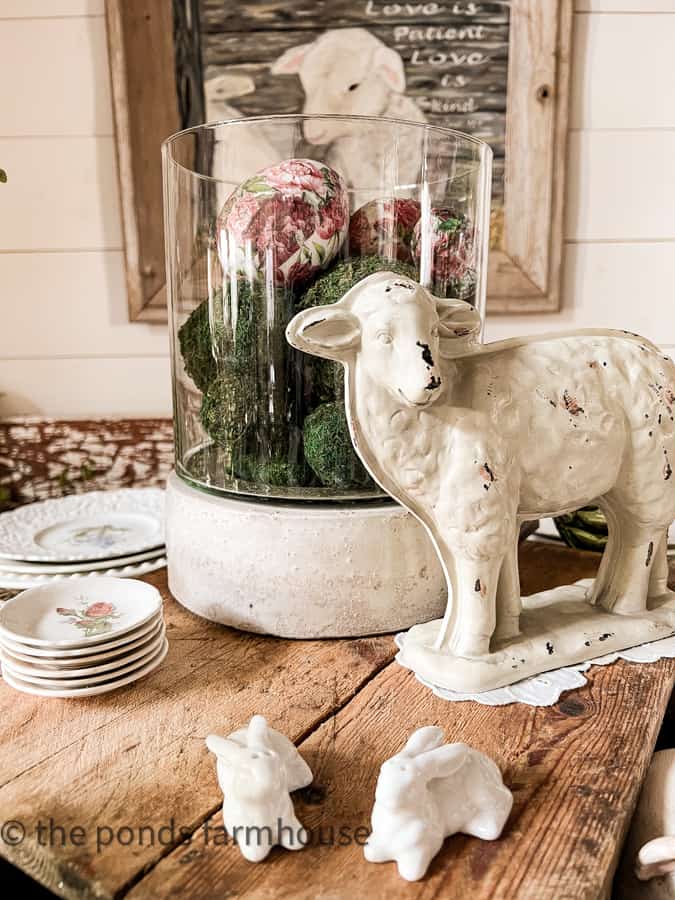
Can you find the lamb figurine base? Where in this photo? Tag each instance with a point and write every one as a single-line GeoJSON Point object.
{"type": "Point", "coordinates": [474, 439]}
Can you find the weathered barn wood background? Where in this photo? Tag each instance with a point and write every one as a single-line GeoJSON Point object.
{"type": "Point", "coordinates": [455, 55]}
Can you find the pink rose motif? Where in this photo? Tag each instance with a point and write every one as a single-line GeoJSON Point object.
{"type": "Point", "coordinates": [407, 212]}
{"type": "Point", "coordinates": [332, 217]}
{"type": "Point", "coordinates": [294, 176]}
{"type": "Point", "coordinates": [98, 610]}
{"type": "Point", "coordinates": [300, 272]}
{"type": "Point", "coordinates": [241, 216]}
{"type": "Point", "coordinates": [384, 227]}
{"type": "Point", "coordinates": [278, 211]}
{"type": "Point", "coordinates": [451, 243]}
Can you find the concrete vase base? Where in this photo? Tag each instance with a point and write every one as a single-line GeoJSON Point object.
{"type": "Point", "coordinates": [557, 628]}
{"type": "Point", "coordinates": [300, 571]}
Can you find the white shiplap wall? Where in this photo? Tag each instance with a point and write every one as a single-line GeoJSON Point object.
{"type": "Point", "coordinates": [66, 347]}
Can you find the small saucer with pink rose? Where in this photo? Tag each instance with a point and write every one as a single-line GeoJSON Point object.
{"type": "Point", "coordinates": [80, 638]}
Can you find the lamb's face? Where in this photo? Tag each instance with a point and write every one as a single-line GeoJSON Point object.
{"type": "Point", "coordinates": [400, 340]}
{"type": "Point", "coordinates": [346, 71]}
{"type": "Point", "coordinates": [339, 80]}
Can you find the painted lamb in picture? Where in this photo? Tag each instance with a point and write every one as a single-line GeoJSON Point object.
{"type": "Point", "coordinates": [476, 438]}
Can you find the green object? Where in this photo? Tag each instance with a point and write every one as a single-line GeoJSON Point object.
{"type": "Point", "coordinates": [329, 450]}
{"type": "Point", "coordinates": [336, 281]}
{"type": "Point", "coordinates": [328, 377]}
{"type": "Point", "coordinates": [198, 340]}
{"type": "Point", "coordinates": [224, 411]}
{"type": "Point", "coordinates": [3, 176]}
{"type": "Point", "coordinates": [194, 337]}
{"type": "Point", "coordinates": [585, 529]}
{"type": "Point", "coordinates": [280, 473]}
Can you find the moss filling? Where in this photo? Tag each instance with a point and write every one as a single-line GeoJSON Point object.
{"type": "Point", "coordinates": [329, 450]}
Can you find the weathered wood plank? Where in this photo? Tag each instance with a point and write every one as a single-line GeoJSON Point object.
{"type": "Point", "coordinates": [136, 757]}
{"type": "Point", "coordinates": [575, 770]}
{"type": "Point", "coordinates": [253, 14]}
{"type": "Point", "coordinates": [43, 458]}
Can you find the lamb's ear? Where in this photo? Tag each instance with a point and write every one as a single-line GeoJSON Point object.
{"type": "Point", "coordinates": [457, 319]}
{"type": "Point", "coordinates": [424, 739]}
{"type": "Point", "coordinates": [328, 331]}
{"type": "Point", "coordinates": [290, 61]}
{"type": "Point", "coordinates": [389, 66]}
{"type": "Point", "coordinates": [442, 761]}
{"type": "Point", "coordinates": [223, 747]}
{"type": "Point", "coordinates": [656, 857]}
{"type": "Point", "coordinates": [257, 734]}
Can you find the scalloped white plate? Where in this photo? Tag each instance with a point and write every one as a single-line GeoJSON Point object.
{"type": "Point", "coordinates": [88, 678]}
{"type": "Point", "coordinates": [25, 687]}
{"type": "Point", "coordinates": [72, 614]}
{"type": "Point", "coordinates": [84, 655]}
{"type": "Point", "coordinates": [41, 668]}
{"type": "Point", "coordinates": [91, 526]}
{"type": "Point", "coordinates": [16, 567]}
{"type": "Point", "coordinates": [24, 582]}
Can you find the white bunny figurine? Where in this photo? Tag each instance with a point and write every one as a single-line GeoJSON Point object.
{"type": "Point", "coordinates": [429, 791]}
{"type": "Point", "coordinates": [257, 769]}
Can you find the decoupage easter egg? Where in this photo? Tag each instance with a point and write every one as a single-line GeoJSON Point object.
{"type": "Point", "coordinates": [286, 222]}
{"type": "Point", "coordinates": [384, 227]}
{"type": "Point", "coordinates": [452, 251]}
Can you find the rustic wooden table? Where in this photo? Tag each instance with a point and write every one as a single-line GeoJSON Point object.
{"type": "Point", "coordinates": [102, 776]}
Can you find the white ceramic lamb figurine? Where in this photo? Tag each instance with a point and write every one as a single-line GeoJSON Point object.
{"type": "Point", "coordinates": [429, 791]}
{"type": "Point", "coordinates": [257, 769]}
{"type": "Point", "coordinates": [349, 71]}
{"type": "Point", "coordinates": [476, 438]}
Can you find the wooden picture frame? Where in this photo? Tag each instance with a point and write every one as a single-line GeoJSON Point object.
{"type": "Point", "coordinates": [526, 253]}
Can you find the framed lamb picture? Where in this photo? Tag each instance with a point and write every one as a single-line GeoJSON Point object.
{"type": "Point", "coordinates": [498, 70]}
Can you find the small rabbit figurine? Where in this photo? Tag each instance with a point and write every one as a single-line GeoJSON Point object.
{"type": "Point", "coordinates": [257, 769]}
{"type": "Point", "coordinates": [429, 791]}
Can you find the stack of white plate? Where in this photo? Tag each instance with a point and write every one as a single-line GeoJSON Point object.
{"type": "Point", "coordinates": [118, 533]}
{"type": "Point", "coordinates": [78, 639]}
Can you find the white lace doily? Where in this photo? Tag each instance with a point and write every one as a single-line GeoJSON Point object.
{"type": "Point", "coordinates": [545, 689]}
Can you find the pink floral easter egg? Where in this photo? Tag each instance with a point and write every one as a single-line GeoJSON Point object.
{"type": "Point", "coordinates": [289, 219]}
{"type": "Point", "coordinates": [452, 254]}
{"type": "Point", "coordinates": [384, 228]}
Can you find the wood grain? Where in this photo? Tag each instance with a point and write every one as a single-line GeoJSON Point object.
{"type": "Point", "coordinates": [137, 756]}
{"type": "Point", "coordinates": [42, 459]}
{"type": "Point", "coordinates": [135, 759]}
{"type": "Point", "coordinates": [251, 15]}
{"type": "Point", "coordinates": [575, 770]}
{"type": "Point", "coordinates": [145, 105]}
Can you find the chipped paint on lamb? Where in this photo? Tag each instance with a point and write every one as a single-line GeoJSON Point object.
{"type": "Point", "coordinates": [559, 433]}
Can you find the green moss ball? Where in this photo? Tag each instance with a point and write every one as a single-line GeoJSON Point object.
{"type": "Point", "coordinates": [334, 283]}
{"type": "Point", "coordinates": [194, 337]}
{"type": "Point", "coordinates": [280, 473]}
{"type": "Point", "coordinates": [329, 450]}
{"type": "Point", "coordinates": [224, 409]}
{"type": "Point", "coordinates": [197, 338]}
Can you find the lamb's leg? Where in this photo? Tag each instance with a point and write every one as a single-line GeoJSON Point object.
{"type": "Point", "coordinates": [474, 588]}
{"type": "Point", "coordinates": [628, 582]}
{"type": "Point", "coordinates": [658, 577]}
{"type": "Point", "coordinates": [609, 556]}
{"type": "Point", "coordinates": [509, 604]}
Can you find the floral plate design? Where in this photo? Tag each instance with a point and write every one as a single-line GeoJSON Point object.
{"type": "Point", "coordinates": [92, 526]}
{"type": "Point", "coordinates": [78, 613]}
